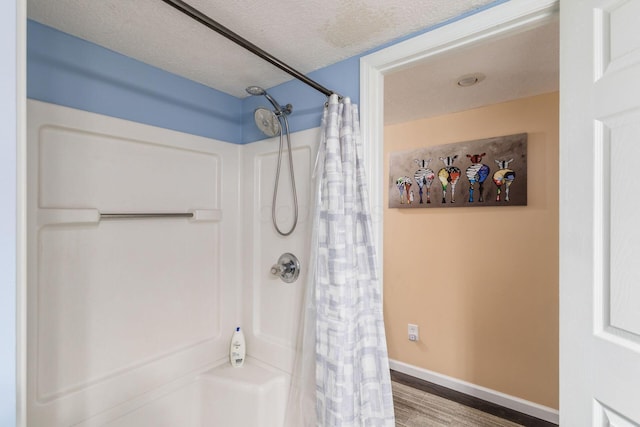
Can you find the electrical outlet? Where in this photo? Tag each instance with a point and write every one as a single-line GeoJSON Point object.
{"type": "Point", "coordinates": [414, 334]}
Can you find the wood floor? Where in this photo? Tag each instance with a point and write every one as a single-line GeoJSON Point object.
{"type": "Point", "coordinates": [418, 403]}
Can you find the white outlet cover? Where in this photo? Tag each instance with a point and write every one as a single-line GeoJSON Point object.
{"type": "Point", "coordinates": [413, 332]}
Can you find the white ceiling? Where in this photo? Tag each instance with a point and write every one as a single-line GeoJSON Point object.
{"type": "Point", "coordinates": [307, 35]}
{"type": "Point", "coordinates": [521, 65]}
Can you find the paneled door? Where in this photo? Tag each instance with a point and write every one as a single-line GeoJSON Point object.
{"type": "Point", "coordinates": [599, 213]}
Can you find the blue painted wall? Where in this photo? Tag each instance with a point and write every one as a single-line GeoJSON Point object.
{"type": "Point", "coordinates": [343, 78]}
{"type": "Point", "coordinates": [8, 214]}
{"type": "Point", "coordinates": [66, 70]}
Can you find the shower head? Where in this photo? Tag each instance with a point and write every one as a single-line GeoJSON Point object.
{"type": "Point", "coordinates": [258, 91]}
{"type": "Point", "coordinates": [267, 121]}
{"type": "Point", "coordinates": [255, 90]}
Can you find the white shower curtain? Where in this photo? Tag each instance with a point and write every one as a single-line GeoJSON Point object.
{"type": "Point", "coordinates": [341, 377]}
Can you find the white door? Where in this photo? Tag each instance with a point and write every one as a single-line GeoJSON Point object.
{"type": "Point", "coordinates": [600, 213]}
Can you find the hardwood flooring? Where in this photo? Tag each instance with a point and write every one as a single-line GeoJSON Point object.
{"type": "Point", "coordinates": [418, 403]}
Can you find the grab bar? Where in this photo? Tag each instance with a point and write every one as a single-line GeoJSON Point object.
{"type": "Point", "coordinates": [93, 216]}
{"type": "Point", "coordinates": [146, 215]}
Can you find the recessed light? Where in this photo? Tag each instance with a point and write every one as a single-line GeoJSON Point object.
{"type": "Point", "coordinates": [470, 79]}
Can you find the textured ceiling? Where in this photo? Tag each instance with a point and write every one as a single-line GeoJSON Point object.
{"type": "Point", "coordinates": [307, 35]}
{"type": "Point", "coordinates": [518, 66]}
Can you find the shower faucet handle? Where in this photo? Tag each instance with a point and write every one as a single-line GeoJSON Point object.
{"type": "Point", "coordinates": [287, 268]}
{"type": "Point", "coordinates": [277, 269]}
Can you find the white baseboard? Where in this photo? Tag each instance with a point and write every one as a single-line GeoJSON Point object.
{"type": "Point", "coordinates": [502, 399]}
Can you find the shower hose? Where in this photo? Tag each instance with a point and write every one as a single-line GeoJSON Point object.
{"type": "Point", "coordinates": [293, 181]}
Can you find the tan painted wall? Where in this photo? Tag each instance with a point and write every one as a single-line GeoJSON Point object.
{"type": "Point", "coordinates": [482, 283]}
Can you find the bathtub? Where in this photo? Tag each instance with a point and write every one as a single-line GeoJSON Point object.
{"type": "Point", "coordinates": [254, 395]}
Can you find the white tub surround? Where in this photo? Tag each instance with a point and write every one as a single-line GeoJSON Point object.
{"type": "Point", "coordinates": [120, 308]}
{"type": "Point", "coordinates": [129, 320]}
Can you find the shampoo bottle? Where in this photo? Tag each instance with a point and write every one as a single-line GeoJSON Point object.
{"type": "Point", "coordinates": [237, 349]}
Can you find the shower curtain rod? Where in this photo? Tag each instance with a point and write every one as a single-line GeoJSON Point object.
{"type": "Point", "coordinates": [224, 31]}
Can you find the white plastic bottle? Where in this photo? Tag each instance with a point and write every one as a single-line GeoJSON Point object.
{"type": "Point", "coordinates": [237, 350]}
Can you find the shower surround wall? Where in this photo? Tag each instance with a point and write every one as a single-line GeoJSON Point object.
{"type": "Point", "coordinates": [271, 307]}
{"type": "Point", "coordinates": [117, 309]}
{"type": "Point", "coordinates": [129, 321]}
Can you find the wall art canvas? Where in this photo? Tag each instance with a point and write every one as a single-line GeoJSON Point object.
{"type": "Point", "coordinates": [483, 172]}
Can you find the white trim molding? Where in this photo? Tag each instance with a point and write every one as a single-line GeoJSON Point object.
{"type": "Point", "coordinates": [517, 404]}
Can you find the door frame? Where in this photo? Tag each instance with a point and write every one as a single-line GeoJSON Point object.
{"type": "Point", "coordinates": [499, 21]}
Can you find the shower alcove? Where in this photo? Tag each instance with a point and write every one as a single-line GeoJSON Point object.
{"type": "Point", "coordinates": [129, 320]}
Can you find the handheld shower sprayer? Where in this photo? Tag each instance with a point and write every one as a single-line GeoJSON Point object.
{"type": "Point", "coordinates": [271, 124]}
{"type": "Point", "coordinates": [258, 91]}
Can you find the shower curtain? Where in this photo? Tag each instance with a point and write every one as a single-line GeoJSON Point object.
{"type": "Point", "coordinates": [341, 377]}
